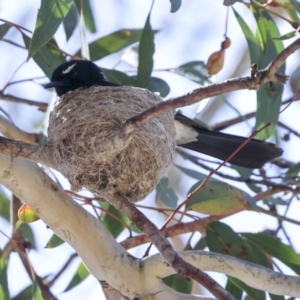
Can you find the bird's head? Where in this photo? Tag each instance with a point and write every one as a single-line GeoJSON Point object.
{"type": "Point", "coordinates": [75, 74]}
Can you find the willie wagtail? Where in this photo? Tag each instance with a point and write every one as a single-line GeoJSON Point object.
{"type": "Point", "coordinates": [77, 74]}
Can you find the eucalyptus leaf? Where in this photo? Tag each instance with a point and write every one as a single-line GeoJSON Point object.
{"type": "Point", "coordinates": [175, 5]}
{"type": "Point", "coordinates": [4, 292]}
{"type": "Point", "coordinates": [146, 52]}
{"type": "Point", "coordinates": [166, 194]}
{"type": "Point", "coordinates": [50, 16]}
{"type": "Point", "coordinates": [80, 275]}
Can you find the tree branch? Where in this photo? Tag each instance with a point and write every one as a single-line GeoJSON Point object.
{"type": "Point", "coordinates": [13, 132]}
{"type": "Point", "coordinates": [104, 257]}
{"type": "Point", "coordinates": [165, 248]}
{"type": "Point", "coordinates": [252, 82]}
{"type": "Point", "coordinates": [41, 105]}
{"type": "Point", "coordinates": [254, 275]}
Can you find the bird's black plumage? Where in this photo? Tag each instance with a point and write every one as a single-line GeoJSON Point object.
{"type": "Point", "coordinates": [77, 74]}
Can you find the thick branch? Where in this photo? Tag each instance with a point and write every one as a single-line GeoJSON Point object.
{"type": "Point", "coordinates": [254, 275]}
{"type": "Point", "coordinates": [104, 257]}
{"type": "Point", "coordinates": [165, 248]}
{"type": "Point", "coordinates": [11, 131]}
{"type": "Point", "coordinates": [35, 153]}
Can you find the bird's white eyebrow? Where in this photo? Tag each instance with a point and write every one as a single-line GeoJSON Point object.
{"type": "Point", "coordinates": [68, 69]}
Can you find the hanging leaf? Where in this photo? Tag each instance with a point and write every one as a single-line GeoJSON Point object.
{"type": "Point", "coordinates": [269, 96]}
{"type": "Point", "coordinates": [4, 29]}
{"type": "Point", "coordinates": [26, 293]}
{"type": "Point", "coordinates": [114, 225]}
{"type": "Point", "coordinates": [234, 290]}
{"type": "Point", "coordinates": [175, 5]}
{"type": "Point", "coordinates": [286, 36]}
{"type": "Point", "coordinates": [113, 43]}
{"type": "Point", "coordinates": [47, 57]}
{"type": "Point", "coordinates": [157, 85]}
{"type": "Point", "coordinates": [165, 194]}
{"type": "Point", "coordinates": [80, 275]}
{"type": "Point", "coordinates": [253, 293]}
{"type": "Point", "coordinates": [4, 292]}
{"type": "Point", "coordinates": [274, 247]}
{"type": "Point", "coordinates": [221, 238]}
{"type": "Point", "coordinates": [4, 207]}
{"type": "Point", "coordinates": [70, 21]}
{"type": "Point", "coordinates": [54, 242]}
{"type": "Point", "coordinates": [252, 41]}
{"type": "Point", "coordinates": [119, 77]}
{"type": "Point", "coordinates": [217, 198]}
{"type": "Point", "coordinates": [87, 14]}
{"type": "Point", "coordinates": [192, 173]}
{"type": "Point", "coordinates": [146, 51]}
{"type": "Point", "coordinates": [195, 71]}
{"type": "Point", "coordinates": [182, 285]}
{"type": "Point", "coordinates": [50, 16]}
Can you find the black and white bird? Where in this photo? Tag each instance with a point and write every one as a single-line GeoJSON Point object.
{"type": "Point", "coordinates": [82, 74]}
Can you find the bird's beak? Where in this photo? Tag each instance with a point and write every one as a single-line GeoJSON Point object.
{"type": "Point", "coordinates": [52, 84]}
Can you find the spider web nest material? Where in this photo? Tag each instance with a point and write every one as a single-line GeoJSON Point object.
{"type": "Point", "coordinates": [82, 131]}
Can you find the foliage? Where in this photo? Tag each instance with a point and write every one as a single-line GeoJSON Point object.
{"type": "Point", "coordinates": [218, 198]}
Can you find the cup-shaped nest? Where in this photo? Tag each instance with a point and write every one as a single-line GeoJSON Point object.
{"type": "Point", "coordinates": [82, 135]}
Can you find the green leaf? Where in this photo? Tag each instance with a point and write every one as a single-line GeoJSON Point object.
{"type": "Point", "coordinates": [146, 51]}
{"type": "Point", "coordinates": [4, 207]}
{"type": "Point", "coordinates": [275, 201]}
{"type": "Point", "coordinates": [113, 43]}
{"type": "Point", "coordinates": [276, 248]}
{"type": "Point", "coordinates": [253, 293]}
{"type": "Point", "coordinates": [114, 226]}
{"type": "Point", "coordinates": [119, 77]}
{"type": "Point", "coordinates": [217, 198]}
{"type": "Point", "coordinates": [50, 16]}
{"type": "Point", "coordinates": [234, 290]}
{"type": "Point", "coordinates": [165, 194]}
{"type": "Point", "coordinates": [276, 297]}
{"type": "Point", "coordinates": [70, 21]}
{"type": "Point", "coordinates": [37, 294]}
{"type": "Point", "coordinates": [54, 242]}
{"type": "Point", "coordinates": [175, 5]}
{"type": "Point", "coordinates": [157, 85]}
{"type": "Point", "coordinates": [24, 294]}
{"type": "Point", "coordinates": [4, 29]}
{"type": "Point", "coordinates": [252, 41]}
{"type": "Point", "coordinates": [201, 244]}
{"type": "Point", "coordinates": [192, 173]}
{"type": "Point", "coordinates": [4, 292]}
{"type": "Point", "coordinates": [286, 36]}
{"type": "Point", "coordinates": [87, 14]}
{"type": "Point", "coordinates": [292, 9]}
{"type": "Point", "coordinates": [221, 238]}
{"type": "Point", "coordinates": [292, 171]}
{"type": "Point", "coordinates": [246, 173]}
{"type": "Point", "coordinates": [28, 234]}
{"type": "Point", "coordinates": [269, 96]}
{"type": "Point", "coordinates": [47, 57]}
{"type": "Point", "coordinates": [182, 285]}
{"type": "Point", "coordinates": [81, 274]}
{"type": "Point", "coordinates": [195, 71]}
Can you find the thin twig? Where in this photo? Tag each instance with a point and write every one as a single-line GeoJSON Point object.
{"type": "Point", "coordinates": [251, 82]}
{"type": "Point", "coordinates": [41, 105]}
